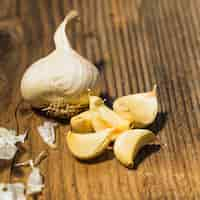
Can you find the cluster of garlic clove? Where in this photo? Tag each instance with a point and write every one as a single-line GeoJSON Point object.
{"type": "Point", "coordinates": [58, 83]}
{"type": "Point", "coordinates": [98, 118]}
{"type": "Point", "coordinates": [135, 111]}
{"type": "Point", "coordinates": [93, 130]}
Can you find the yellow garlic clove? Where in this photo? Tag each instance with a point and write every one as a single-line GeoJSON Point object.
{"type": "Point", "coordinates": [103, 117]}
{"type": "Point", "coordinates": [88, 146]}
{"type": "Point", "coordinates": [129, 143]}
{"type": "Point", "coordinates": [139, 109]}
{"type": "Point", "coordinates": [82, 123]}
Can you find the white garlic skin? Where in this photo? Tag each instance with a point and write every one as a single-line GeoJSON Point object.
{"type": "Point", "coordinates": [35, 182]}
{"type": "Point", "coordinates": [62, 76]}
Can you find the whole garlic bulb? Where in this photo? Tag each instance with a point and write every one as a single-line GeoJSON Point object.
{"type": "Point", "coordinates": [59, 83]}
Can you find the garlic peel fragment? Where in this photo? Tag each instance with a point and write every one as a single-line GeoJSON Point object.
{"type": "Point", "coordinates": [88, 146]}
{"type": "Point", "coordinates": [139, 109]}
{"type": "Point", "coordinates": [47, 132]}
{"type": "Point", "coordinates": [129, 143]}
{"type": "Point", "coordinates": [8, 139]}
{"type": "Point", "coordinates": [13, 191]}
{"type": "Point", "coordinates": [35, 181]}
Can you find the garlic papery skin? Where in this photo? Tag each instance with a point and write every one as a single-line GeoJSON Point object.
{"type": "Point", "coordinates": [47, 133]}
{"type": "Point", "coordinates": [14, 191]}
{"type": "Point", "coordinates": [59, 82]}
{"type": "Point", "coordinates": [140, 109]}
{"type": "Point", "coordinates": [8, 139]}
{"type": "Point", "coordinates": [35, 182]}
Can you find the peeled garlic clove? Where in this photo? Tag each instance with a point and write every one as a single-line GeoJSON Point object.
{"type": "Point", "coordinates": [82, 123]}
{"type": "Point", "coordinates": [103, 117]}
{"type": "Point", "coordinates": [129, 143]}
{"type": "Point", "coordinates": [88, 146]}
{"type": "Point", "coordinates": [59, 83]}
{"type": "Point", "coordinates": [140, 109]}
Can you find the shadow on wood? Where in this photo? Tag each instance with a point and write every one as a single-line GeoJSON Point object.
{"type": "Point", "coordinates": [6, 42]}
{"type": "Point", "coordinates": [145, 152]}
{"type": "Point", "coordinates": [43, 115]}
{"type": "Point", "coordinates": [100, 65]}
{"type": "Point", "coordinates": [108, 99]}
{"type": "Point", "coordinates": [159, 122]}
{"type": "Point", "coordinates": [4, 164]}
{"type": "Point", "coordinates": [106, 156]}
{"type": "Point", "coordinates": [24, 109]}
{"type": "Point", "coordinates": [18, 171]}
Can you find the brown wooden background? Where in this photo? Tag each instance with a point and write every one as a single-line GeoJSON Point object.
{"type": "Point", "coordinates": [135, 43]}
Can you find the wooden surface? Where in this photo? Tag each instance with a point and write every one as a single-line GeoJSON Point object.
{"type": "Point", "coordinates": [135, 43]}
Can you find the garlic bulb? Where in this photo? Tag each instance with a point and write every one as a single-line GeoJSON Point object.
{"type": "Point", "coordinates": [59, 83]}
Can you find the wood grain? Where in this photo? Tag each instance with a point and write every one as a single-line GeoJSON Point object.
{"type": "Point", "coordinates": [134, 43]}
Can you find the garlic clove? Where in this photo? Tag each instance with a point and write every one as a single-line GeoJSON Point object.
{"type": "Point", "coordinates": [129, 143]}
{"type": "Point", "coordinates": [103, 117]}
{"type": "Point", "coordinates": [140, 109]}
{"type": "Point", "coordinates": [58, 83]}
{"type": "Point", "coordinates": [98, 118]}
{"type": "Point", "coordinates": [88, 146]}
{"type": "Point", "coordinates": [82, 123]}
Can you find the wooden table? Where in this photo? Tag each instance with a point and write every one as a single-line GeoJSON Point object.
{"type": "Point", "coordinates": [135, 44]}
